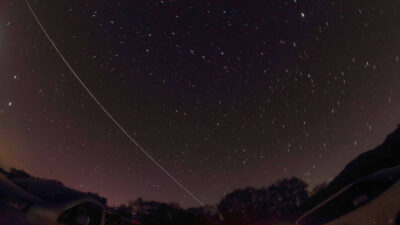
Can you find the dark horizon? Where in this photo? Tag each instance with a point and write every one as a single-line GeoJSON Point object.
{"type": "Point", "coordinates": [224, 94]}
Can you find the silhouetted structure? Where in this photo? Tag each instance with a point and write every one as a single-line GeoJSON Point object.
{"type": "Point", "coordinates": [384, 156]}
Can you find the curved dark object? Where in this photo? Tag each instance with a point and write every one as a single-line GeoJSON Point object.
{"type": "Point", "coordinates": [386, 155]}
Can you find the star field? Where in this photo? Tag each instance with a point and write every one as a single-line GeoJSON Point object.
{"type": "Point", "coordinates": [224, 94]}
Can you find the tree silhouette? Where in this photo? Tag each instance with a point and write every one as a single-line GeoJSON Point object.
{"type": "Point", "coordinates": [155, 213]}
{"type": "Point", "coordinates": [285, 197]}
{"type": "Point", "coordinates": [277, 203]}
{"type": "Point", "coordinates": [240, 206]}
{"type": "Point", "coordinates": [318, 188]}
{"type": "Point", "coordinates": [206, 215]}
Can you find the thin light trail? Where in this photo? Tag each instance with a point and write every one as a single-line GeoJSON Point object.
{"type": "Point", "coordinates": [109, 114]}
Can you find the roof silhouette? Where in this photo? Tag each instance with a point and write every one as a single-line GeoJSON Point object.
{"type": "Point", "coordinates": [384, 156]}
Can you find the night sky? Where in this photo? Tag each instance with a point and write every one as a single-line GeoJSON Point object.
{"type": "Point", "coordinates": [224, 94]}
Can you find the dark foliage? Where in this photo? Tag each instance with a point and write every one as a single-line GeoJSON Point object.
{"type": "Point", "coordinates": [155, 213]}
{"type": "Point", "coordinates": [277, 203]}
{"type": "Point", "coordinates": [318, 189]}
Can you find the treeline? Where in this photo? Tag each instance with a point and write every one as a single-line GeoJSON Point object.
{"type": "Point", "coordinates": [278, 203]}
